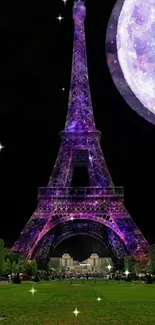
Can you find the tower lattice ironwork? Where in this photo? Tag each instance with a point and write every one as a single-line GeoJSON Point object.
{"type": "Point", "coordinates": [97, 210]}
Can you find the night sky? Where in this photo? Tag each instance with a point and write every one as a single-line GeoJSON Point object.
{"type": "Point", "coordinates": [36, 53]}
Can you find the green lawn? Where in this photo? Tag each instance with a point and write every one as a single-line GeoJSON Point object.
{"type": "Point", "coordinates": [54, 303]}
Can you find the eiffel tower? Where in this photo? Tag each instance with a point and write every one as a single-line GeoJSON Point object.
{"type": "Point", "coordinates": [64, 209]}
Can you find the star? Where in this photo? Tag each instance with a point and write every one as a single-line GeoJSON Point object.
{"type": "Point", "coordinates": [98, 299]}
{"type": "Point", "coordinates": [63, 88]}
{"type": "Point", "coordinates": [109, 267]}
{"type": "Point", "coordinates": [60, 18]}
{"type": "Point", "coordinates": [33, 291]}
{"type": "Point", "coordinates": [71, 218]}
{"type": "Point", "coordinates": [64, 1]}
{"type": "Point", "coordinates": [1, 147]}
{"type": "Point", "coordinates": [76, 312]}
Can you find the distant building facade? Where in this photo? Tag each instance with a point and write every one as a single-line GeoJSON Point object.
{"type": "Point", "coordinates": [66, 261]}
{"type": "Point", "coordinates": [93, 264]}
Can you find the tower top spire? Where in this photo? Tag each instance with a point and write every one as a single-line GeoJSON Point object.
{"type": "Point", "coordinates": [80, 113]}
{"type": "Point", "coordinates": [82, 1]}
{"type": "Point", "coordinates": [79, 11]}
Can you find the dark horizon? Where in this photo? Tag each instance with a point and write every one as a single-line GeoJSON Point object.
{"type": "Point", "coordinates": [36, 64]}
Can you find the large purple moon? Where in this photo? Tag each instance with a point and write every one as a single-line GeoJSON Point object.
{"type": "Point", "coordinates": [130, 48]}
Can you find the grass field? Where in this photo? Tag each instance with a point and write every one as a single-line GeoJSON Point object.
{"type": "Point", "coordinates": [54, 302]}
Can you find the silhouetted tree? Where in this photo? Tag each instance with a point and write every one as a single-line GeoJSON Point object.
{"type": "Point", "coordinates": [151, 263]}
{"type": "Point", "coordinates": [2, 255]}
{"type": "Point", "coordinates": [34, 267]}
{"type": "Point", "coordinates": [14, 267]}
{"type": "Point", "coordinates": [31, 267]}
{"type": "Point", "coordinates": [21, 264]}
{"type": "Point", "coordinates": [7, 267]}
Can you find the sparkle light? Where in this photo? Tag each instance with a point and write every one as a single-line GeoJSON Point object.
{"type": "Point", "coordinates": [60, 18]}
{"type": "Point", "coordinates": [90, 158]}
{"type": "Point", "coordinates": [1, 147]}
{"type": "Point", "coordinates": [64, 1]}
{"type": "Point", "coordinates": [126, 272]}
{"type": "Point", "coordinates": [63, 88]}
{"type": "Point", "coordinates": [109, 267]}
{"type": "Point", "coordinates": [99, 299]}
{"type": "Point", "coordinates": [136, 48]}
{"type": "Point", "coordinates": [33, 291]}
{"type": "Point", "coordinates": [76, 312]}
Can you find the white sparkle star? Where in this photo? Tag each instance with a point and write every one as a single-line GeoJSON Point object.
{"type": "Point", "coordinates": [33, 291]}
{"type": "Point", "coordinates": [63, 88]}
{"type": "Point", "coordinates": [109, 267]}
{"type": "Point", "coordinates": [71, 218]}
{"type": "Point", "coordinates": [60, 18]}
{"type": "Point", "coordinates": [99, 299]}
{"type": "Point", "coordinates": [126, 272]}
{"type": "Point", "coordinates": [1, 147]}
{"type": "Point", "coordinates": [64, 1]}
{"type": "Point", "coordinates": [76, 312]}
{"type": "Point", "coordinates": [90, 158]}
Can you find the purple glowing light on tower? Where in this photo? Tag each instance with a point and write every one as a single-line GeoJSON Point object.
{"type": "Point", "coordinates": [80, 113]}
{"type": "Point", "coordinates": [79, 12]}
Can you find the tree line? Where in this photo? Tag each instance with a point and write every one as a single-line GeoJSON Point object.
{"type": "Point", "coordinates": [15, 263]}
